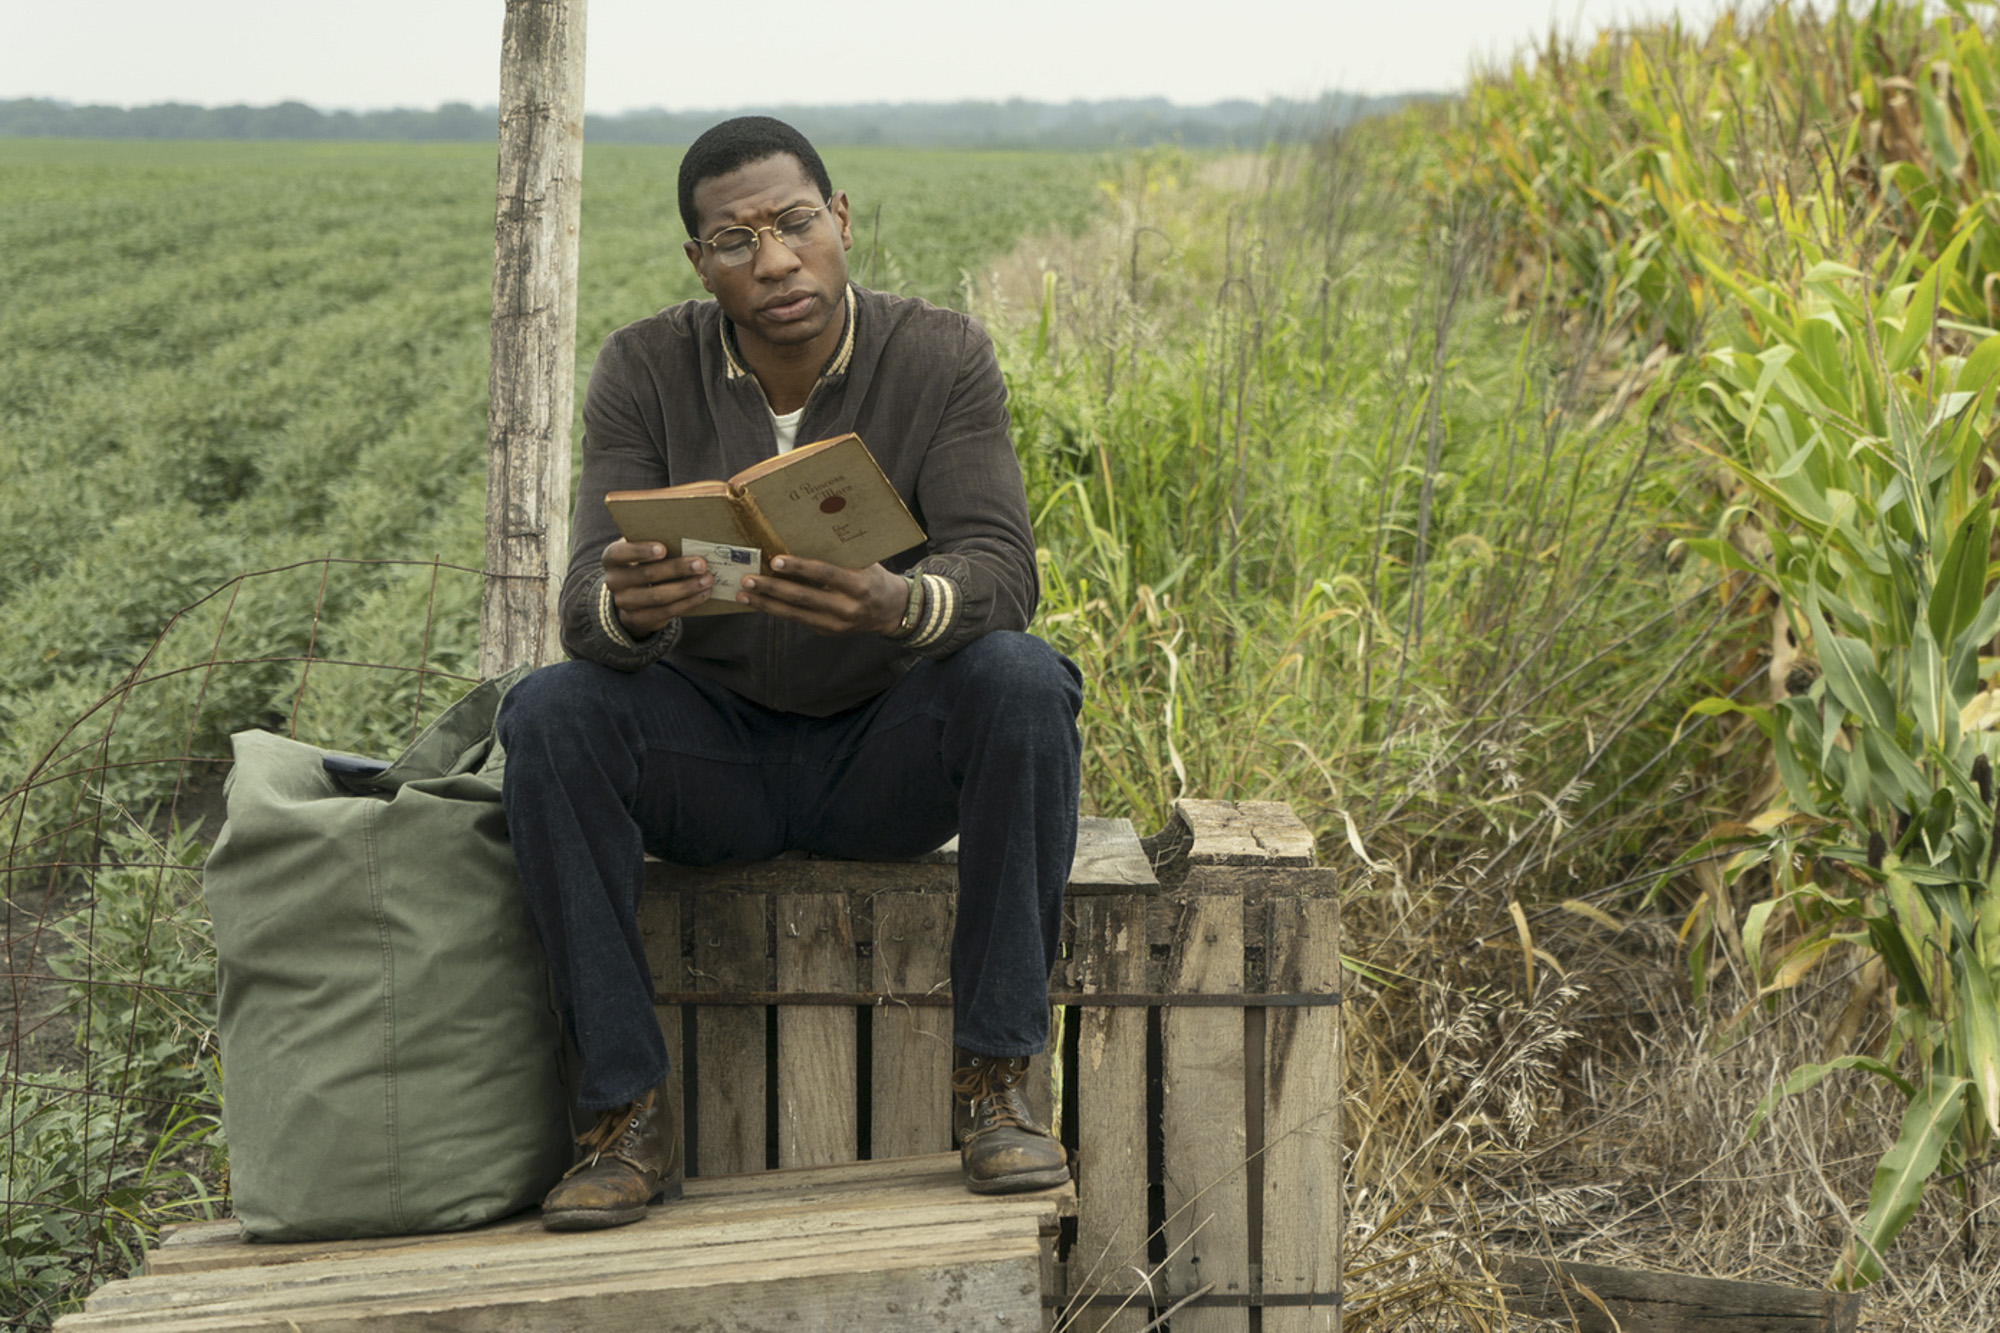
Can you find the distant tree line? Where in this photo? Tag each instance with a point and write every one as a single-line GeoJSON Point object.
{"type": "Point", "coordinates": [38, 117]}
{"type": "Point", "coordinates": [1010, 124]}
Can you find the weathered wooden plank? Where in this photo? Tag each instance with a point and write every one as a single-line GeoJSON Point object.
{"type": "Point", "coordinates": [1207, 1191]}
{"type": "Point", "coordinates": [818, 1104]}
{"type": "Point", "coordinates": [1255, 888]}
{"type": "Point", "coordinates": [721, 1239]}
{"type": "Point", "coordinates": [660, 933]}
{"type": "Point", "coordinates": [1245, 833]}
{"type": "Point", "coordinates": [912, 1044]}
{"type": "Point", "coordinates": [1643, 1302]}
{"type": "Point", "coordinates": [531, 379]}
{"type": "Point", "coordinates": [1109, 859]}
{"type": "Point", "coordinates": [962, 1277]}
{"type": "Point", "coordinates": [709, 1221]}
{"type": "Point", "coordinates": [1303, 1215]}
{"type": "Point", "coordinates": [1260, 883]}
{"type": "Point", "coordinates": [801, 874]}
{"type": "Point", "coordinates": [1052, 1277]}
{"type": "Point", "coordinates": [1038, 1090]}
{"type": "Point", "coordinates": [902, 1201]}
{"type": "Point", "coordinates": [931, 1170]}
{"type": "Point", "coordinates": [731, 952]}
{"type": "Point", "coordinates": [683, 1237]}
{"type": "Point", "coordinates": [895, 1187]}
{"type": "Point", "coordinates": [1110, 954]}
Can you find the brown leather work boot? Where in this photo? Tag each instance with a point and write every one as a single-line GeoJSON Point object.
{"type": "Point", "coordinates": [632, 1159]}
{"type": "Point", "coordinates": [1000, 1147]}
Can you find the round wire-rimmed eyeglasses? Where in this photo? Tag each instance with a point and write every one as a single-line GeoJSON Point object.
{"type": "Point", "coordinates": [793, 228]}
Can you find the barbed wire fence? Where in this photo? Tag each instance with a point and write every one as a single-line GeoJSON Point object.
{"type": "Point", "coordinates": [111, 1089]}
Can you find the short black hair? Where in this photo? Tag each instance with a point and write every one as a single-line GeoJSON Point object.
{"type": "Point", "coordinates": [737, 143]}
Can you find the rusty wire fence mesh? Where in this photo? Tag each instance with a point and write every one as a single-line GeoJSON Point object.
{"type": "Point", "coordinates": [111, 1090]}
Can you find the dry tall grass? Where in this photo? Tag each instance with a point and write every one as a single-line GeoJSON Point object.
{"type": "Point", "coordinates": [1490, 751]}
{"type": "Point", "coordinates": [1601, 1118]}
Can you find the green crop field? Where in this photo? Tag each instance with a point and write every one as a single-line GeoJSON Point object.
{"type": "Point", "coordinates": [223, 358]}
{"type": "Point", "coordinates": [217, 358]}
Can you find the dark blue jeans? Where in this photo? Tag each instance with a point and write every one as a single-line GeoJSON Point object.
{"type": "Point", "coordinates": [603, 766]}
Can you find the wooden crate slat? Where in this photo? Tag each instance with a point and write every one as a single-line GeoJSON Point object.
{"type": "Point", "coordinates": [963, 1275]}
{"type": "Point", "coordinates": [1303, 1213]}
{"type": "Point", "coordinates": [911, 1044]}
{"type": "Point", "coordinates": [1207, 1191]}
{"type": "Point", "coordinates": [730, 953]}
{"type": "Point", "coordinates": [660, 932]}
{"type": "Point", "coordinates": [1109, 859]}
{"type": "Point", "coordinates": [853, 1195]}
{"type": "Point", "coordinates": [1051, 1279]}
{"type": "Point", "coordinates": [1245, 833]}
{"type": "Point", "coordinates": [932, 1170]}
{"type": "Point", "coordinates": [696, 1237]}
{"type": "Point", "coordinates": [818, 1104]}
{"type": "Point", "coordinates": [1109, 953]}
{"type": "Point", "coordinates": [1038, 1090]}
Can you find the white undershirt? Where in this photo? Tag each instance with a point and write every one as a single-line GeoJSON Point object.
{"type": "Point", "coordinates": [787, 427]}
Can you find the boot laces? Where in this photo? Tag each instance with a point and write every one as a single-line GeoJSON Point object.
{"type": "Point", "coordinates": [611, 1128]}
{"type": "Point", "coordinates": [989, 1086]}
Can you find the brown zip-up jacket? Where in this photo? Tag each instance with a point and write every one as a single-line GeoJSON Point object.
{"type": "Point", "coordinates": [670, 402]}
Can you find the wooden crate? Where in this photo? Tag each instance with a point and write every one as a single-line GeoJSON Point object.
{"type": "Point", "coordinates": [806, 1004]}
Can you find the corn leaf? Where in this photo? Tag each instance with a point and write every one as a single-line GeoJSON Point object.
{"type": "Point", "coordinates": [1887, 938]}
{"type": "Point", "coordinates": [1754, 922]}
{"type": "Point", "coordinates": [1931, 703]}
{"type": "Point", "coordinates": [1932, 1117]}
{"type": "Point", "coordinates": [1851, 675]}
{"type": "Point", "coordinates": [1979, 1034]}
{"type": "Point", "coordinates": [1961, 578]}
{"type": "Point", "coordinates": [1806, 1077]}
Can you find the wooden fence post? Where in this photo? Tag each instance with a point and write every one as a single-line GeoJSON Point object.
{"type": "Point", "coordinates": [533, 375]}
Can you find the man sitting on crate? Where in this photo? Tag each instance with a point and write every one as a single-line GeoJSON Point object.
{"type": "Point", "coordinates": [865, 713]}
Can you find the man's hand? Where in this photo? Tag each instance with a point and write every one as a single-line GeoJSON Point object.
{"type": "Point", "coordinates": [650, 590]}
{"type": "Point", "coordinates": [828, 599]}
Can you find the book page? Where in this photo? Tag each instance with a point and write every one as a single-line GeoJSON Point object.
{"type": "Point", "coordinates": [666, 517]}
{"type": "Point", "coordinates": [791, 458]}
{"type": "Point", "coordinates": [829, 501]}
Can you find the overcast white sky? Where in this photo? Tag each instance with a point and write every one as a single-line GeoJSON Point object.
{"type": "Point", "coordinates": [720, 54]}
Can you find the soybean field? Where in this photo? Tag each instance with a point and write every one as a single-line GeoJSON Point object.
{"type": "Point", "coordinates": [218, 358]}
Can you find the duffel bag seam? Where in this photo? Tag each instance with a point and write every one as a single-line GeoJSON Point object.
{"type": "Point", "coordinates": [392, 1164]}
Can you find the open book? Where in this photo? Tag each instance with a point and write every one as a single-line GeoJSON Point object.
{"type": "Point", "coordinates": [826, 501]}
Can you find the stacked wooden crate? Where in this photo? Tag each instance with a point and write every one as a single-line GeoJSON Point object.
{"type": "Point", "coordinates": [806, 1003]}
{"type": "Point", "coordinates": [807, 1006]}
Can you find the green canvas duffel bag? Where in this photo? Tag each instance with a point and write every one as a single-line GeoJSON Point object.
{"type": "Point", "coordinates": [390, 1056]}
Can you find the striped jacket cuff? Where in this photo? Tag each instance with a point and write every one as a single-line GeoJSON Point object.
{"type": "Point", "coordinates": [941, 606]}
{"type": "Point", "coordinates": [607, 619]}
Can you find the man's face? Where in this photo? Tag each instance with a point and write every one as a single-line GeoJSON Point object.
{"type": "Point", "coordinates": [782, 297]}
